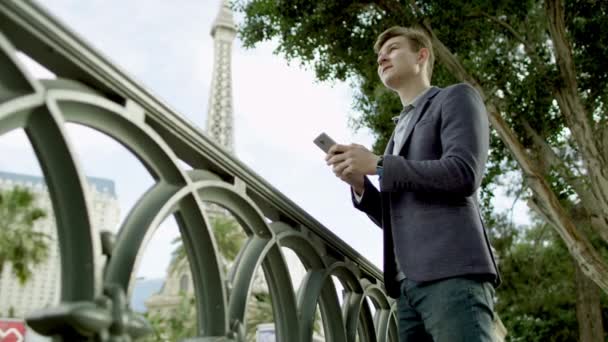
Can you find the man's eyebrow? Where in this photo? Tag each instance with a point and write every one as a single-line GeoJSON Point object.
{"type": "Point", "coordinates": [389, 46]}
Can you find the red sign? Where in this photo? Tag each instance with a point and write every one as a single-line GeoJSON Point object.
{"type": "Point", "coordinates": [12, 330]}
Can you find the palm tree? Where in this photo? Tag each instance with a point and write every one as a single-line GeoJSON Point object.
{"type": "Point", "coordinates": [20, 244]}
{"type": "Point", "coordinates": [228, 236]}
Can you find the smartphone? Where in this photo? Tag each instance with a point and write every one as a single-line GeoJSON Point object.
{"type": "Point", "coordinates": [324, 142]}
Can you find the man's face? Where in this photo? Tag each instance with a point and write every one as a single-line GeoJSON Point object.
{"type": "Point", "coordinates": [397, 64]}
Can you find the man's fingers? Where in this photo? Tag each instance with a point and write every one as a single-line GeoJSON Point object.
{"type": "Point", "coordinates": [337, 158]}
{"type": "Point", "coordinates": [349, 176]}
{"type": "Point", "coordinates": [346, 174]}
{"type": "Point", "coordinates": [348, 171]}
{"type": "Point", "coordinates": [337, 149]}
{"type": "Point", "coordinates": [339, 168]}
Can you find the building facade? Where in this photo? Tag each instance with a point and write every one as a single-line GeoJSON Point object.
{"type": "Point", "coordinates": [43, 288]}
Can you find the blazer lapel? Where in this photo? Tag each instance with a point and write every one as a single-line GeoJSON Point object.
{"type": "Point", "coordinates": [419, 110]}
{"type": "Point", "coordinates": [390, 145]}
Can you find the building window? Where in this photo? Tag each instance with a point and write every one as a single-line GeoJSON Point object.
{"type": "Point", "coordinates": [183, 284]}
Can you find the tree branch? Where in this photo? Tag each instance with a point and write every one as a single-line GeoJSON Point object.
{"type": "Point", "coordinates": [591, 204]}
{"type": "Point", "coordinates": [590, 262]}
{"type": "Point", "coordinates": [553, 160]}
{"type": "Point", "coordinates": [451, 61]}
{"type": "Point", "coordinates": [389, 6]}
{"type": "Point", "coordinates": [570, 104]}
{"type": "Point", "coordinates": [527, 47]}
{"type": "Point", "coordinates": [563, 53]}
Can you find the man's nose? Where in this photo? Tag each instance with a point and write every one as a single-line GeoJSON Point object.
{"type": "Point", "coordinates": [381, 58]}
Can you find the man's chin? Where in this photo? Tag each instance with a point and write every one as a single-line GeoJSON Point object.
{"type": "Point", "coordinates": [389, 80]}
{"type": "Point", "coordinates": [391, 84]}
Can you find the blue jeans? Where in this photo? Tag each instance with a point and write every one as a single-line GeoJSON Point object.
{"type": "Point", "coordinates": [455, 309]}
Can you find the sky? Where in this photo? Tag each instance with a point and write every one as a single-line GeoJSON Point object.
{"type": "Point", "coordinates": [278, 110]}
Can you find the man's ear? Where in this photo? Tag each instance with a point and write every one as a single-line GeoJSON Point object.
{"type": "Point", "coordinates": [423, 55]}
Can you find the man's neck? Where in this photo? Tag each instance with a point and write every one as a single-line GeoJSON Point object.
{"type": "Point", "coordinates": [411, 90]}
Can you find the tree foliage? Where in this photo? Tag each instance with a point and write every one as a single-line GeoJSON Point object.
{"type": "Point", "coordinates": [537, 298]}
{"type": "Point", "coordinates": [228, 236]}
{"type": "Point", "coordinates": [21, 245]}
{"type": "Point", "coordinates": [537, 64]}
{"type": "Point", "coordinates": [176, 325]}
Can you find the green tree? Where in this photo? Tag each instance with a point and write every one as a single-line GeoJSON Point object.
{"type": "Point", "coordinates": [537, 64]}
{"type": "Point", "coordinates": [228, 236]}
{"type": "Point", "coordinates": [20, 245]}
{"type": "Point", "coordinates": [176, 325]}
{"type": "Point", "coordinates": [538, 299]}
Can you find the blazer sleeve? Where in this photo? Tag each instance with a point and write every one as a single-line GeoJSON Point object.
{"type": "Point", "coordinates": [464, 134]}
{"type": "Point", "coordinates": [370, 203]}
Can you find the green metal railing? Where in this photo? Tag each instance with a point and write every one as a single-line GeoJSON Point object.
{"type": "Point", "coordinates": [90, 91]}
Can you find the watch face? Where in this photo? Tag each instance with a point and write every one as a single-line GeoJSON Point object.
{"type": "Point", "coordinates": [379, 170]}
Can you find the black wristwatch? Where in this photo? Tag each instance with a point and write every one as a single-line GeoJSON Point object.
{"type": "Point", "coordinates": [380, 166]}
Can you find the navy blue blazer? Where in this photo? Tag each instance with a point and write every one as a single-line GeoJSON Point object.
{"type": "Point", "coordinates": [427, 202]}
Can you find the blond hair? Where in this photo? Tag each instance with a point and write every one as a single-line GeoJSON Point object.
{"type": "Point", "coordinates": [417, 38]}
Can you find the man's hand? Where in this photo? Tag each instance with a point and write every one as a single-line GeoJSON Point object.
{"type": "Point", "coordinates": [351, 162]}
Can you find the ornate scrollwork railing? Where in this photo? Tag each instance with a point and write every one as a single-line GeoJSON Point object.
{"type": "Point", "coordinates": [92, 92]}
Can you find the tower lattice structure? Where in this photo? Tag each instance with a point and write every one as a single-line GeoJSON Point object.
{"type": "Point", "coordinates": [220, 122]}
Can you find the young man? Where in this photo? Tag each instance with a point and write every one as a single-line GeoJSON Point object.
{"type": "Point", "coordinates": [438, 262]}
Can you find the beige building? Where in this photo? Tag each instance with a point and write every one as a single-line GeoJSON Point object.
{"type": "Point", "coordinates": [177, 283]}
{"type": "Point", "coordinates": [43, 288]}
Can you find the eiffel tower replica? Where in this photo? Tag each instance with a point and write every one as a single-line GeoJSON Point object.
{"type": "Point", "coordinates": [220, 119]}
{"type": "Point", "coordinates": [220, 122]}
